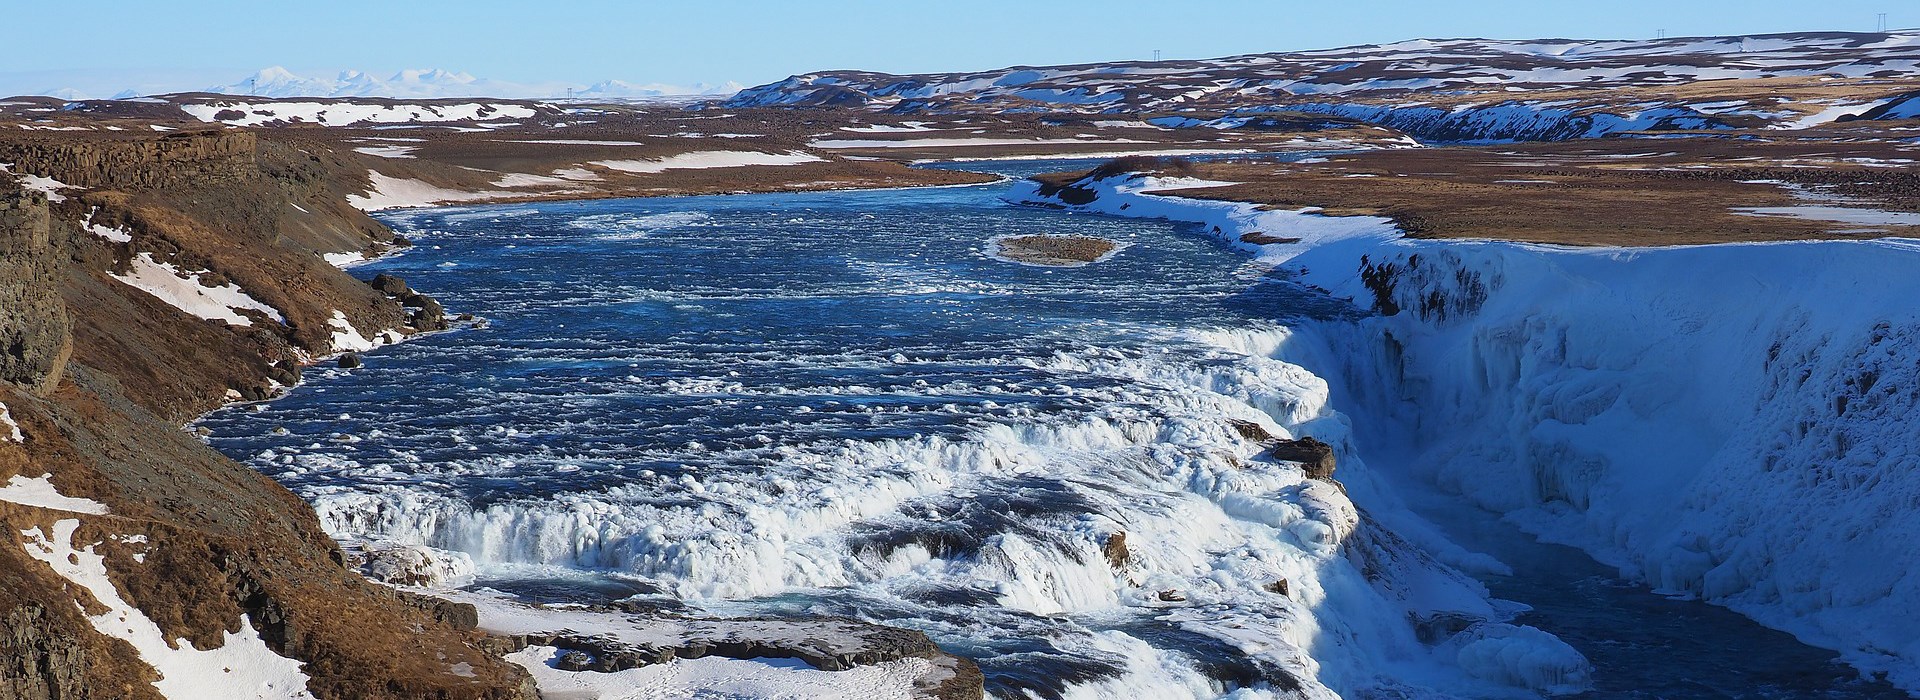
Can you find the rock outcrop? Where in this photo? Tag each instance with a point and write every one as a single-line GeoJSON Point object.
{"type": "Point", "coordinates": [35, 334]}
{"type": "Point", "coordinates": [1314, 456]}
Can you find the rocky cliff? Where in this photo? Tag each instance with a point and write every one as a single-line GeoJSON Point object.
{"type": "Point", "coordinates": [143, 280]}
{"type": "Point", "coordinates": [35, 333]}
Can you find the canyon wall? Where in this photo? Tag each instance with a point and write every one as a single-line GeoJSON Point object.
{"type": "Point", "coordinates": [144, 280]}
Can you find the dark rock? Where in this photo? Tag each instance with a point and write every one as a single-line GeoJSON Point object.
{"type": "Point", "coordinates": [427, 314]}
{"type": "Point", "coordinates": [36, 661]}
{"type": "Point", "coordinates": [36, 337]}
{"type": "Point", "coordinates": [350, 360]}
{"type": "Point", "coordinates": [574, 661]}
{"type": "Point", "coordinates": [1249, 430]}
{"type": "Point", "coordinates": [1259, 238]}
{"type": "Point", "coordinates": [390, 285]}
{"type": "Point", "coordinates": [286, 372]}
{"type": "Point", "coordinates": [1116, 550]}
{"type": "Point", "coordinates": [1279, 586]}
{"type": "Point", "coordinates": [1314, 456]}
{"type": "Point", "coordinates": [1172, 595]}
{"type": "Point", "coordinates": [461, 616]}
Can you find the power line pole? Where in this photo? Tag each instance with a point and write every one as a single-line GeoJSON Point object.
{"type": "Point", "coordinates": [1156, 55]}
{"type": "Point", "coordinates": [1662, 33]}
{"type": "Point", "coordinates": [1883, 22]}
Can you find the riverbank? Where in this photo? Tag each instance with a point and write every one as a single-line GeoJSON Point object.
{"type": "Point", "coordinates": [1672, 411]}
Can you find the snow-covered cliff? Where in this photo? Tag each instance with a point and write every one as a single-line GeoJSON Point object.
{"type": "Point", "coordinates": [1725, 422]}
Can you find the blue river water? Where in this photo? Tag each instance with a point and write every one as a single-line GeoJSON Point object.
{"type": "Point", "coordinates": [819, 403]}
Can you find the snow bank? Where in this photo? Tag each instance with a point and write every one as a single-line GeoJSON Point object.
{"type": "Point", "coordinates": [40, 183]}
{"type": "Point", "coordinates": [394, 193]}
{"type": "Point", "coordinates": [1521, 656]}
{"type": "Point", "coordinates": [9, 430]}
{"type": "Point", "coordinates": [344, 260]}
{"type": "Point", "coordinates": [712, 676]}
{"type": "Point", "coordinates": [395, 151]}
{"type": "Point", "coordinates": [40, 492]}
{"type": "Point", "coordinates": [1729, 422]}
{"type": "Point", "coordinates": [709, 159]}
{"type": "Point", "coordinates": [183, 291]}
{"type": "Point", "coordinates": [241, 667]}
{"type": "Point", "coordinates": [346, 338]}
{"type": "Point", "coordinates": [113, 234]}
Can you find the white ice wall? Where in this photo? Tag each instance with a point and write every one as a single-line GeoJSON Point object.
{"type": "Point", "coordinates": [1732, 422]}
{"type": "Point", "coordinates": [1729, 422]}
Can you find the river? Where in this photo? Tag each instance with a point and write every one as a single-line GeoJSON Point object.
{"type": "Point", "coordinates": [841, 403]}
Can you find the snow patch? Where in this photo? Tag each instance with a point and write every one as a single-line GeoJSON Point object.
{"type": "Point", "coordinates": [346, 338]}
{"type": "Point", "coordinates": [12, 429]}
{"type": "Point", "coordinates": [712, 676]}
{"type": "Point", "coordinates": [241, 667]}
{"type": "Point", "coordinates": [395, 193]}
{"type": "Point", "coordinates": [709, 159]}
{"type": "Point", "coordinates": [183, 291]}
{"type": "Point", "coordinates": [40, 492]}
{"type": "Point", "coordinates": [387, 151]}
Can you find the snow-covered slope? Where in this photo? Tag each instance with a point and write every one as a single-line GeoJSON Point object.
{"type": "Point", "coordinates": [1512, 66]}
{"type": "Point", "coordinates": [1725, 422]}
{"type": "Point", "coordinates": [1452, 89]}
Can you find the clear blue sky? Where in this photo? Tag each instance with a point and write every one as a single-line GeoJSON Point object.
{"type": "Point", "coordinates": [101, 46]}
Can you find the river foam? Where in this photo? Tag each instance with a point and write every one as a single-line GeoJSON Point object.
{"type": "Point", "coordinates": [838, 404]}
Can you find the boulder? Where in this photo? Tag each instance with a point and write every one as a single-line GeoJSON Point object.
{"type": "Point", "coordinates": [427, 314]}
{"type": "Point", "coordinates": [1314, 456]}
{"type": "Point", "coordinates": [416, 565]}
{"type": "Point", "coordinates": [1249, 430]}
{"type": "Point", "coordinates": [390, 285]}
{"type": "Point", "coordinates": [350, 360]}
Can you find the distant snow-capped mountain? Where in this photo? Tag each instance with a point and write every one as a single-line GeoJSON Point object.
{"type": "Point", "coordinates": [436, 83]}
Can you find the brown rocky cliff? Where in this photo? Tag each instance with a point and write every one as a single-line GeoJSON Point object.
{"type": "Point", "coordinates": [35, 333]}
{"type": "Point", "coordinates": [136, 163]}
{"type": "Point", "coordinates": [222, 543]}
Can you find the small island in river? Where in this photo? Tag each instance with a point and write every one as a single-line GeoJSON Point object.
{"type": "Point", "coordinates": [1054, 251]}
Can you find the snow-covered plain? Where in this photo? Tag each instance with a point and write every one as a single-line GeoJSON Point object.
{"type": "Point", "coordinates": [1728, 422]}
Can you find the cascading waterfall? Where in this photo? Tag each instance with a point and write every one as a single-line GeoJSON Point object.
{"type": "Point", "coordinates": [843, 404]}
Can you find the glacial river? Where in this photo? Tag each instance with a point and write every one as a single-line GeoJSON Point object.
{"type": "Point", "coordinates": [840, 403]}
